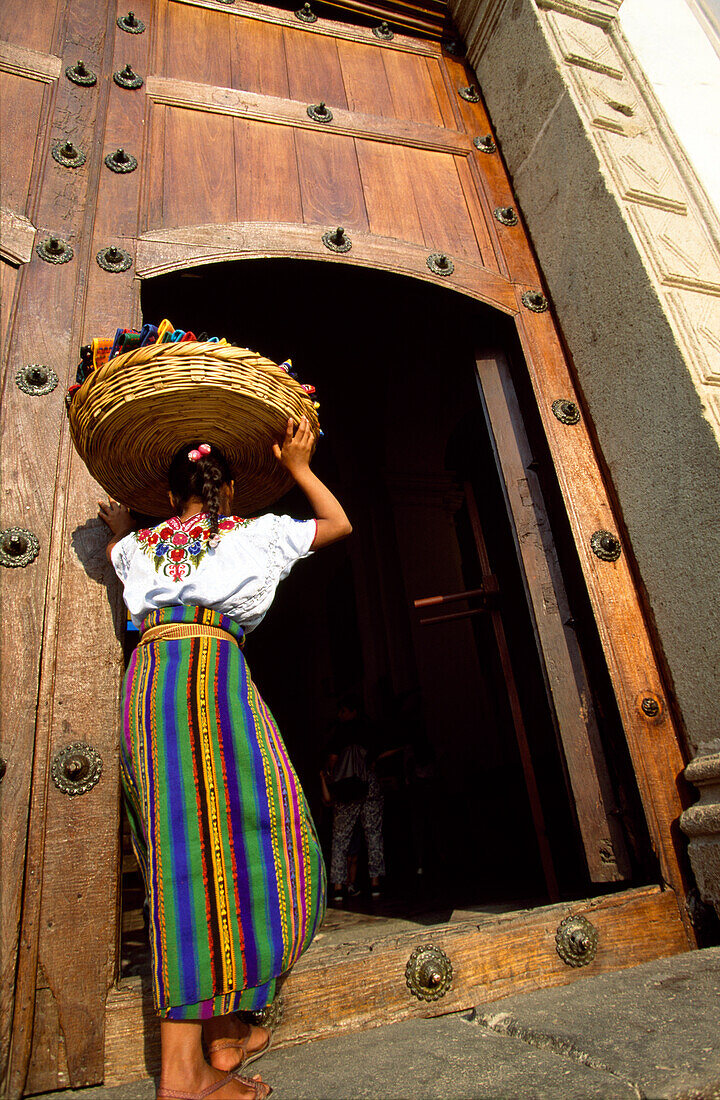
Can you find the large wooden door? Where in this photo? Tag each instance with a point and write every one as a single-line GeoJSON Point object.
{"type": "Point", "coordinates": [236, 160]}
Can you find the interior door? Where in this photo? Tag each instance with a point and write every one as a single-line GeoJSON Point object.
{"type": "Point", "coordinates": [236, 158]}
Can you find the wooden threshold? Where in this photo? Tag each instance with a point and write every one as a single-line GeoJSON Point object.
{"type": "Point", "coordinates": [352, 981]}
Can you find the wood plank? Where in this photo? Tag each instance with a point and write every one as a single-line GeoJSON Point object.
{"type": "Point", "coordinates": [152, 189]}
{"type": "Point", "coordinates": [566, 676]}
{"type": "Point", "coordinates": [388, 192]}
{"type": "Point", "coordinates": [21, 61]}
{"type": "Point", "coordinates": [231, 101]}
{"type": "Point", "coordinates": [196, 44]}
{"type": "Point", "coordinates": [199, 168]}
{"type": "Point", "coordinates": [448, 111]}
{"type": "Point", "coordinates": [21, 102]}
{"type": "Point", "coordinates": [492, 957]}
{"type": "Point", "coordinates": [365, 79]}
{"type": "Point", "coordinates": [330, 185]}
{"type": "Point", "coordinates": [412, 89]}
{"type": "Point", "coordinates": [48, 1063]}
{"type": "Point", "coordinates": [17, 237]}
{"type": "Point", "coordinates": [9, 277]}
{"type": "Point", "coordinates": [314, 69]}
{"type": "Point", "coordinates": [266, 13]}
{"type": "Point", "coordinates": [485, 240]}
{"type": "Point", "coordinates": [173, 249]}
{"type": "Point", "coordinates": [267, 181]}
{"type": "Point", "coordinates": [35, 30]}
{"type": "Point", "coordinates": [654, 743]}
{"type": "Point", "coordinates": [257, 57]}
{"type": "Point", "coordinates": [440, 203]}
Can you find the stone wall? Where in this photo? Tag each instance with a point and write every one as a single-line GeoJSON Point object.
{"type": "Point", "coordinates": [629, 246]}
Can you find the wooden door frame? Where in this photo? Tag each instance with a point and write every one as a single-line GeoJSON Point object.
{"type": "Point", "coordinates": [655, 741]}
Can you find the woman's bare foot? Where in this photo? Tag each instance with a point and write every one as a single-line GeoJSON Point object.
{"type": "Point", "coordinates": [244, 1041]}
{"type": "Point", "coordinates": [233, 1089]}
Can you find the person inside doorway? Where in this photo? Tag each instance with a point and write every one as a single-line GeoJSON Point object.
{"type": "Point", "coordinates": [353, 751]}
{"type": "Point", "coordinates": [232, 867]}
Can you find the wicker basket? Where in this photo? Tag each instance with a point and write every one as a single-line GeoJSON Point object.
{"type": "Point", "coordinates": [129, 418]}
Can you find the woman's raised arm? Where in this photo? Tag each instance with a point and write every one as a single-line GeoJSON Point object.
{"type": "Point", "coordinates": [294, 455]}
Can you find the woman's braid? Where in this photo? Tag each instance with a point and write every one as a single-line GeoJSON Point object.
{"type": "Point", "coordinates": [210, 493]}
{"type": "Point", "coordinates": [202, 477]}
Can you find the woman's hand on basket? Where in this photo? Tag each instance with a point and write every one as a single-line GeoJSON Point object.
{"type": "Point", "coordinates": [117, 517]}
{"type": "Point", "coordinates": [296, 450]}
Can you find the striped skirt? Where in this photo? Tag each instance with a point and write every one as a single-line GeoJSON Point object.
{"type": "Point", "coordinates": [231, 861]}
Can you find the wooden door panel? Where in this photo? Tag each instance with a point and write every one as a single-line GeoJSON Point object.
{"type": "Point", "coordinates": [412, 90]}
{"type": "Point", "coordinates": [33, 26]}
{"type": "Point", "coordinates": [440, 203]}
{"type": "Point", "coordinates": [268, 186]}
{"type": "Point", "coordinates": [199, 168]}
{"type": "Point", "coordinates": [196, 44]}
{"type": "Point", "coordinates": [330, 182]}
{"type": "Point", "coordinates": [313, 66]}
{"type": "Point", "coordinates": [8, 283]}
{"type": "Point", "coordinates": [390, 205]}
{"type": "Point", "coordinates": [153, 167]}
{"type": "Point", "coordinates": [257, 53]}
{"type": "Point", "coordinates": [21, 103]}
{"type": "Point", "coordinates": [366, 81]}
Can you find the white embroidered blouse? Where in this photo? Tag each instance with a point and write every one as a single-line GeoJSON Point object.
{"type": "Point", "coordinates": [236, 573]}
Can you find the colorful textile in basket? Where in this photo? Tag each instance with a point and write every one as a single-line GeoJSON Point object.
{"type": "Point", "coordinates": [221, 829]}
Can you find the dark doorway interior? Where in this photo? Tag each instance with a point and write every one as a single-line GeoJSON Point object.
{"type": "Point", "coordinates": [393, 364]}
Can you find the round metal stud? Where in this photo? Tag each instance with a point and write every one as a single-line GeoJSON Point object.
{"type": "Point", "coordinates": [605, 545]}
{"type": "Point", "coordinates": [470, 95]}
{"type": "Point", "coordinates": [337, 241]}
{"type": "Point", "coordinates": [36, 379]}
{"type": "Point", "coordinates": [319, 112]}
{"type": "Point", "coordinates": [228, 2]}
{"type": "Point", "coordinates": [131, 23]}
{"type": "Point", "coordinates": [576, 940]}
{"type": "Point", "coordinates": [126, 78]}
{"type": "Point", "coordinates": [566, 411]}
{"type": "Point", "coordinates": [54, 250]}
{"type": "Point", "coordinates": [114, 259]}
{"type": "Point", "coordinates": [440, 264]}
{"type": "Point", "coordinates": [120, 161]}
{"type": "Point", "coordinates": [485, 144]}
{"type": "Point", "coordinates": [18, 547]}
{"type": "Point", "coordinates": [65, 153]}
{"type": "Point", "coordinates": [428, 973]}
{"type": "Point", "coordinates": [505, 215]}
{"type": "Point", "coordinates": [306, 14]}
{"type": "Point", "coordinates": [535, 301]}
{"type": "Point", "coordinates": [76, 768]}
{"type": "Point", "coordinates": [80, 74]}
{"type": "Point", "coordinates": [383, 31]}
{"type": "Point", "coordinates": [454, 47]}
{"type": "Point", "coordinates": [651, 706]}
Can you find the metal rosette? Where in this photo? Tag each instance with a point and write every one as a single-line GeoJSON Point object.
{"type": "Point", "coordinates": [576, 940]}
{"type": "Point", "coordinates": [383, 32]}
{"type": "Point", "coordinates": [535, 301]}
{"type": "Point", "coordinates": [318, 112]}
{"type": "Point", "coordinates": [120, 161]}
{"type": "Point", "coordinates": [77, 768]}
{"type": "Point", "coordinates": [306, 14]}
{"type": "Point", "coordinates": [485, 144]}
{"type": "Point", "coordinates": [36, 379]}
{"type": "Point", "coordinates": [18, 547]}
{"type": "Point", "coordinates": [80, 74]}
{"type": "Point", "coordinates": [505, 215]}
{"type": "Point", "coordinates": [337, 240]}
{"type": "Point", "coordinates": [65, 153]}
{"type": "Point", "coordinates": [114, 259]}
{"type": "Point", "coordinates": [440, 264]}
{"type": "Point", "coordinates": [126, 78]}
{"type": "Point", "coordinates": [130, 23]}
{"type": "Point", "coordinates": [566, 411]}
{"type": "Point", "coordinates": [429, 972]}
{"type": "Point", "coordinates": [54, 250]}
{"type": "Point", "coordinates": [605, 545]}
{"type": "Point", "coordinates": [469, 94]}
{"type": "Point", "coordinates": [454, 47]}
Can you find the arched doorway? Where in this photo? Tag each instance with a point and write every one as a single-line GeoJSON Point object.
{"type": "Point", "coordinates": [409, 448]}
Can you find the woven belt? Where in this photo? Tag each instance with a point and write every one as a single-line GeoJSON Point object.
{"type": "Point", "coordinates": [170, 631]}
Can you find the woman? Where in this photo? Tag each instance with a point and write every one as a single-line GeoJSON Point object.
{"type": "Point", "coordinates": [231, 862]}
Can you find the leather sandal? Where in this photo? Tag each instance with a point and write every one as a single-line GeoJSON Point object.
{"type": "Point", "coordinates": [260, 1088]}
{"type": "Point", "coordinates": [246, 1056]}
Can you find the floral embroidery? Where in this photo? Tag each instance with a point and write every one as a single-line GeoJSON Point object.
{"type": "Point", "coordinates": [175, 548]}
